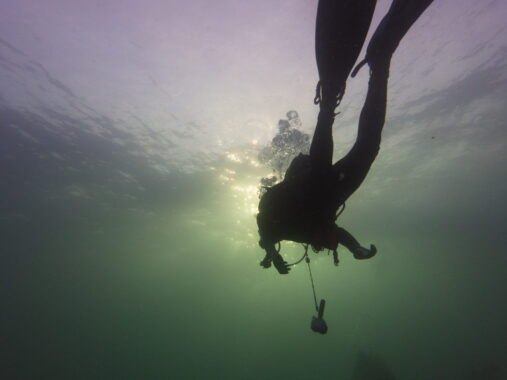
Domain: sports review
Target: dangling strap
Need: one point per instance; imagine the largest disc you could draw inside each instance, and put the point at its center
(302, 258)
(313, 286)
(305, 256)
(318, 93)
(358, 67)
(340, 211)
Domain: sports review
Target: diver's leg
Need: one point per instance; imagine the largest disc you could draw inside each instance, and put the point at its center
(352, 169)
(340, 32)
(321, 149)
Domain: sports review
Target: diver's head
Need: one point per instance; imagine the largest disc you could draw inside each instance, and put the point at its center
(283, 126)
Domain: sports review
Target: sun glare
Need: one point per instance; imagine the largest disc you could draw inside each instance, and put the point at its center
(247, 196)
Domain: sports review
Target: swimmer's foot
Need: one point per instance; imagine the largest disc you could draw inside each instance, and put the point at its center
(361, 253)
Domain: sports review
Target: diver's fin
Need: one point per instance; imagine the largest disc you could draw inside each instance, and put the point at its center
(340, 32)
(401, 16)
(361, 253)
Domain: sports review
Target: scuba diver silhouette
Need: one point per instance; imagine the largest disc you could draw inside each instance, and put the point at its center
(303, 207)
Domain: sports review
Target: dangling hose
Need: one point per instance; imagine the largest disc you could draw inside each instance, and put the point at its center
(305, 256)
(301, 259)
(340, 211)
(313, 286)
(318, 93)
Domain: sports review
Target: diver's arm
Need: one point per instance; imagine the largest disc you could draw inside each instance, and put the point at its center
(346, 239)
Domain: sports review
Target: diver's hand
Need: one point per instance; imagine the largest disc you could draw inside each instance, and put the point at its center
(268, 259)
(361, 253)
(266, 262)
(273, 257)
(280, 264)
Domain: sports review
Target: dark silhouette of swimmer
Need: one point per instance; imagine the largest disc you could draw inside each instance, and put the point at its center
(303, 207)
